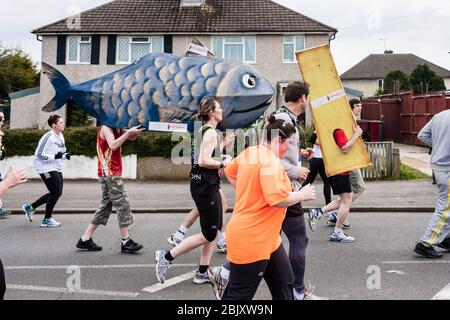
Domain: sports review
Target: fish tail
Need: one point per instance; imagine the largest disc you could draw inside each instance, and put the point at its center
(62, 87)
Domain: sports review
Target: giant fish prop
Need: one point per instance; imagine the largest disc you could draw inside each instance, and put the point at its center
(163, 87)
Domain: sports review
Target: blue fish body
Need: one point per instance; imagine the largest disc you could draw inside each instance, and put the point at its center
(162, 87)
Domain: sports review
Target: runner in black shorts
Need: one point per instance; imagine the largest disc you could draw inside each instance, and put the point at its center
(205, 185)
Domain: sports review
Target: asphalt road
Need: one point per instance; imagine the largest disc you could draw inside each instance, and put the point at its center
(37, 261)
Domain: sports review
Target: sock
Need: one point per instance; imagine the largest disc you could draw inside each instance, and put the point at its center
(319, 214)
(84, 239)
(203, 269)
(181, 232)
(168, 256)
(298, 295)
(221, 237)
(338, 230)
(224, 273)
(124, 241)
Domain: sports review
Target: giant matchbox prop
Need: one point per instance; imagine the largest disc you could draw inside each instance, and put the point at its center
(331, 110)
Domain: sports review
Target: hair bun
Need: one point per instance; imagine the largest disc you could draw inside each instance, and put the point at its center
(272, 119)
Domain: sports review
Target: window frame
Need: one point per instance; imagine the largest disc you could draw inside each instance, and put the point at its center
(382, 84)
(294, 42)
(242, 43)
(79, 43)
(130, 42)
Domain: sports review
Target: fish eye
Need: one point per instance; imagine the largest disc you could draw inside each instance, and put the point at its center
(249, 81)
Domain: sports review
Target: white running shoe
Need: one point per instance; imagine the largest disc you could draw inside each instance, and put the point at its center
(201, 278)
(219, 283)
(162, 265)
(173, 240)
(222, 247)
(50, 223)
(341, 237)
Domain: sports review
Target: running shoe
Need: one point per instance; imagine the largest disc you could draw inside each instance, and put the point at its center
(310, 296)
(4, 213)
(332, 219)
(314, 215)
(173, 240)
(222, 247)
(131, 247)
(29, 212)
(427, 251)
(341, 237)
(88, 245)
(162, 265)
(219, 284)
(50, 223)
(201, 278)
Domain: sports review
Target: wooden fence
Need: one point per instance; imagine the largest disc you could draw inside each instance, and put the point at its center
(383, 160)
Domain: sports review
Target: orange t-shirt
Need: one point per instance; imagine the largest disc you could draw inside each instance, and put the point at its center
(253, 232)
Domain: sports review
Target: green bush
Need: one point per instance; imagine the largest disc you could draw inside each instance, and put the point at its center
(82, 141)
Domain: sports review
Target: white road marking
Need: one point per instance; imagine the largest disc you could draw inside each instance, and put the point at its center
(444, 294)
(418, 262)
(66, 290)
(119, 266)
(396, 272)
(173, 281)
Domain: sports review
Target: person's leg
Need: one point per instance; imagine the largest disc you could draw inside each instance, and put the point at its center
(221, 239)
(295, 230)
(437, 230)
(279, 276)
(313, 170)
(44, 198)
(344, 209)
(2, 281)
(53, 182)
(102, 214)
(326, 182)
(244, 280)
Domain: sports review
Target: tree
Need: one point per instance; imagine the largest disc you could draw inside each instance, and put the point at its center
(425, 80)
(17, 72)
(396, 81)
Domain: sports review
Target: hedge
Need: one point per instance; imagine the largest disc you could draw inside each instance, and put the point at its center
(82, 141)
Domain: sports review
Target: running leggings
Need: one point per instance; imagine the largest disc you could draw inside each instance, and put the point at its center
(54, 182)
(2, 281)
(245, 278)
(295, 230)
(316, 166)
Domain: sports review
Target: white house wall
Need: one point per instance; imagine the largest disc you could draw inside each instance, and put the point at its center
(28, 111)
(369, 87)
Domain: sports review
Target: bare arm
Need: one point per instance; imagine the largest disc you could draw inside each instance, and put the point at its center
(306, 193)
(113, 143)
(206, 149)
(348, 146)
(12, 179)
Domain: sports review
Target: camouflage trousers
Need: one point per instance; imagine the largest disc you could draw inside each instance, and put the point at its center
(113, 194)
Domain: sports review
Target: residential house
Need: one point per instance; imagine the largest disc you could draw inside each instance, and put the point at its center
(368, 75)
(106, 38)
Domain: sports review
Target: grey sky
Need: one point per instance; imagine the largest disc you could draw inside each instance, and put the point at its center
(409, 26)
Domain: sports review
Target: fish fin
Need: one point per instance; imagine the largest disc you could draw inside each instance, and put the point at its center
(62, 87)
(197, 48)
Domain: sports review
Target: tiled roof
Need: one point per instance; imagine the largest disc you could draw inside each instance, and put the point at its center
(377, 66)
(166, 16)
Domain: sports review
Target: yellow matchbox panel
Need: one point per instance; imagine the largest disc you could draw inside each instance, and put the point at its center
(331, 110)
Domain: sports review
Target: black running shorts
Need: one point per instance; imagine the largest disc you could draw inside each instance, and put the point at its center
(340, 184)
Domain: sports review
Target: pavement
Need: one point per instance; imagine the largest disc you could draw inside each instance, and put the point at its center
(415, 157)
(174, 197)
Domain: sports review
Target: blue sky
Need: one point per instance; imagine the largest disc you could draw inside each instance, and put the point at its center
(406, 26)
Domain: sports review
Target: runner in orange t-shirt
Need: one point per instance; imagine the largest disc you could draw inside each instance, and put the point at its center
(263, 191)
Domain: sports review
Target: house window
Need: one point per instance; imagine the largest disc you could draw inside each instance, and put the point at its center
(241, 49)
(79, 49)
(291, 44)
(192, 3)
(131, 49)
(381, 84)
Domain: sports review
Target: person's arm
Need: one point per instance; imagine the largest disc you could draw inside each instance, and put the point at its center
(207, 146)
(113, 143)
(305, 194)
(43, 148)
(231, 171)
(425, 135)
(348, 146)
